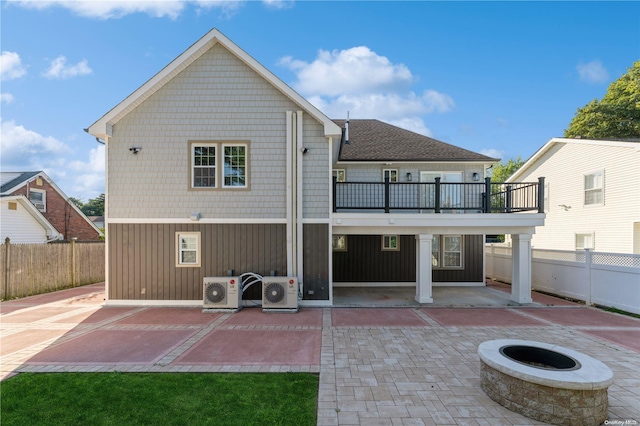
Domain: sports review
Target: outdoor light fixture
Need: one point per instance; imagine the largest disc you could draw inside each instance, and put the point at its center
(135, 149)
(409, 177)
(304, 150)
(476, 177)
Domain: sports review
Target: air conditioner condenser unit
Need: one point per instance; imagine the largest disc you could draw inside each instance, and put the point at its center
(222, 294)
(279, 294)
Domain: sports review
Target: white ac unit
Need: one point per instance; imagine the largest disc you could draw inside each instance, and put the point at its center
(280, 293)
(222, 293)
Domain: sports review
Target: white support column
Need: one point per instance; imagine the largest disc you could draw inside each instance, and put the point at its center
(521, 268)
(424, 280)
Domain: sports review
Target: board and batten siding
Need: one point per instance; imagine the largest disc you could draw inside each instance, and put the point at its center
(365, 261)
(612, 223)
(216, 98)
(142, 258)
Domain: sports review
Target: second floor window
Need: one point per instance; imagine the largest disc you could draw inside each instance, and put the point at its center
(594, 188)
(39, 199)
(391, 174)
(218, 165)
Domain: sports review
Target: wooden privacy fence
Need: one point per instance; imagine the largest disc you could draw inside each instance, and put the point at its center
(29, 269)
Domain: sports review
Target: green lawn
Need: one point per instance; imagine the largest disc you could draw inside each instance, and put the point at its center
(62, 399)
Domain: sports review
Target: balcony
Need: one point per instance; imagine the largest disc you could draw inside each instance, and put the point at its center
(439, 197)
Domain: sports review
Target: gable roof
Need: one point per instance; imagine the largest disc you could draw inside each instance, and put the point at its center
(12, 181)
(625, 143)
(102, 127)
(374, 140)
(51, 232)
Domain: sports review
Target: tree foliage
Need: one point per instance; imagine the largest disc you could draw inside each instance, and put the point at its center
(501, 171)
(616, 115)
(93, 207)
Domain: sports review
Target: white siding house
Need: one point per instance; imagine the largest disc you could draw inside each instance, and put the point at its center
(592, 194)
(22, 223)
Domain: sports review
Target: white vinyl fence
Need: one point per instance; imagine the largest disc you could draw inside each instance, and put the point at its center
(606, 279)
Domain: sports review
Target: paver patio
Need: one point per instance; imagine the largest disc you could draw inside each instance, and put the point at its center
(404, 366)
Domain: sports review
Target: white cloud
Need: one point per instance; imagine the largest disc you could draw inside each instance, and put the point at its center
(60, 70)
(493, 153)
(26, 146)
(90, 176)
(113, 9)
(6, 97)
(367, 85)
(592, 72)
(350, 71)
(11, 66)
(278, 4)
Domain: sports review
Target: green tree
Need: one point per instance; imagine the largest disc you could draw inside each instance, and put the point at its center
(77, 202)
(616, 115)
(501, 171)
(94, 207)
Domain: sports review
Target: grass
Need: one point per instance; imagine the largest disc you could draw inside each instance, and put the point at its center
(159, 399)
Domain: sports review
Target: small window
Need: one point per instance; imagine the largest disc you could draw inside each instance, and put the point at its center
(391, 174)
(340, 175)
(339, 243)
(390, 242)
(203, 163)
(188, 249)
(39, 199)
(594, 188)
(446, 251)
(13, 205)
(584, 241)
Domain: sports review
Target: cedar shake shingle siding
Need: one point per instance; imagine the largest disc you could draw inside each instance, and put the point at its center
(374, 140)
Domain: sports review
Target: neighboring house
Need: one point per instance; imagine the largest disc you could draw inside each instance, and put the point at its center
(68, 221)
(22, 222)
(215, 166)
(592, 194)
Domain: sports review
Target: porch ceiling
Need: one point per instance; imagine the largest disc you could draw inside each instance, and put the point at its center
(408, 224)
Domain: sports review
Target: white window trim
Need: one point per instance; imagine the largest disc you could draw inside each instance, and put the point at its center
(44, 198)
(583, 234)
(441, 252)
(387, 247)
(219, 165)
(179, 263)
(384, 172)
(246, 165)
(336, 173)
(584, 188)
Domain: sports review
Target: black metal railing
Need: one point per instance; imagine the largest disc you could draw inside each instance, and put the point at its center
(439, 197)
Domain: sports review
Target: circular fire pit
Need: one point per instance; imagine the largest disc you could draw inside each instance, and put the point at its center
(545, 382)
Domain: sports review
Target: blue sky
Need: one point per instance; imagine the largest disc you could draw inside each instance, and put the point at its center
(500, 78)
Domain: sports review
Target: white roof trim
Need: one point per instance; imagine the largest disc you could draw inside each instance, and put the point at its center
(547, 146)
(102, 127)
(52, 233)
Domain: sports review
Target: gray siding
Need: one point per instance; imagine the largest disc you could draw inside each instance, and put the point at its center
(142, 258)
(216, 98)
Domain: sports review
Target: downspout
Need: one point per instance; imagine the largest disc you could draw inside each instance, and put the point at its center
(289, 190)
(299, 199)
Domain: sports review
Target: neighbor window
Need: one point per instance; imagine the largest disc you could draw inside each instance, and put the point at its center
(340, 175)
(215, 162)
(593, 188)
(39, 199)
(584, 241)
(339, 243)
(390, 242)
(188, 248)
(391, 174)
(446, 251)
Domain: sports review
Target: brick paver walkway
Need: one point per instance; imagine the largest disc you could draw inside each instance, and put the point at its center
(411, 366)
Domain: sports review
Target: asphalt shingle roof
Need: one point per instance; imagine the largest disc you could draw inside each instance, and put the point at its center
(22, 177)
(374, 140)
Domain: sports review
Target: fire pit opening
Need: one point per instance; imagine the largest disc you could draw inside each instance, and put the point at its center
(540, 358)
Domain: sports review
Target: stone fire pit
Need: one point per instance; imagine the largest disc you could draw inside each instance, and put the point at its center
(545, 382)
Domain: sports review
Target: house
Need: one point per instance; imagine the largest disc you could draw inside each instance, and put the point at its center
(592, 194)
(49, 200)
(23, 223)
(216, 167)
